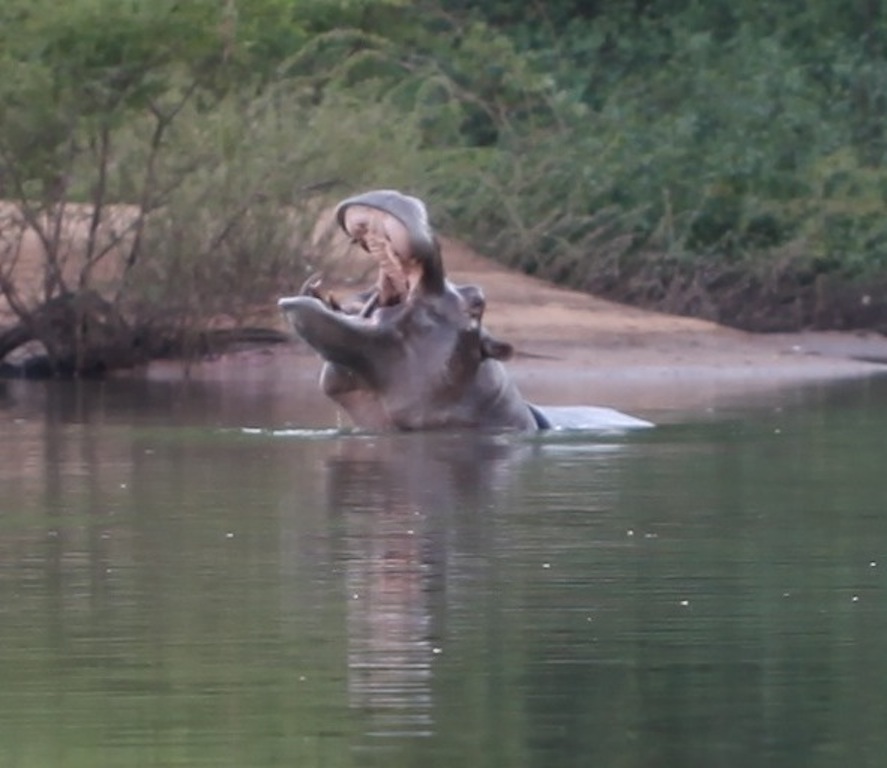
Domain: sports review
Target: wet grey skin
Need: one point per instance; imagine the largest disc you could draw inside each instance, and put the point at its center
(424, 361)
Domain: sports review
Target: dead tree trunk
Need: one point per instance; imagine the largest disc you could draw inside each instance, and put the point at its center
(81, 335)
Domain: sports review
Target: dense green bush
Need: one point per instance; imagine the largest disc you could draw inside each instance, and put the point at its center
(713, 140)
(699, 157)
(171, 184)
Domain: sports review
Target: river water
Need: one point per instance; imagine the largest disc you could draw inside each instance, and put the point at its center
(206, 574)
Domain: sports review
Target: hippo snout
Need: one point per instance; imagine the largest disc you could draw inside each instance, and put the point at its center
(295, 309)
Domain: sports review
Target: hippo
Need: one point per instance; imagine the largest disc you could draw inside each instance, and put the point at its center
(412, 353)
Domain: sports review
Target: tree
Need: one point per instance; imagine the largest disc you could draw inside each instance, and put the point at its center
(115, 118)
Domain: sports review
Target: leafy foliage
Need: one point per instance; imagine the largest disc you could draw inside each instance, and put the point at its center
(635, 148)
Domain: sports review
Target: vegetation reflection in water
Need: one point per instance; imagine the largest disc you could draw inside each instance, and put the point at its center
(705, 593)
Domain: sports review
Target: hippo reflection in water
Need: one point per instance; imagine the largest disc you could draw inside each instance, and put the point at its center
(412, 353)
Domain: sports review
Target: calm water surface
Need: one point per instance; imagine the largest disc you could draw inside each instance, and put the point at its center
(188, 579)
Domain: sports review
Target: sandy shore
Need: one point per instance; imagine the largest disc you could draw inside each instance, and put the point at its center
(573, 348)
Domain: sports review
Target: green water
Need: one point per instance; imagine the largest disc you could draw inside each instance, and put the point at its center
(177, 590)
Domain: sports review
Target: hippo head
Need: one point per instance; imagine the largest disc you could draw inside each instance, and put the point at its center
(420, 358)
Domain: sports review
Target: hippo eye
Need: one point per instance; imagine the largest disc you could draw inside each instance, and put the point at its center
(476, 306)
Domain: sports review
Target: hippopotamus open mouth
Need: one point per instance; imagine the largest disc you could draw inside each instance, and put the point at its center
(394, 228)
(414, 354)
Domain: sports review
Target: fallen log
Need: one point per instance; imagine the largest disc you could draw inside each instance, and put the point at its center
(85, 336)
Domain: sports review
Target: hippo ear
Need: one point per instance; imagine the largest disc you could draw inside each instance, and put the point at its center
(497, 350)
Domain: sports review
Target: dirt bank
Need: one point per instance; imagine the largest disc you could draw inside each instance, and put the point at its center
(574, 348)
(543, 319)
